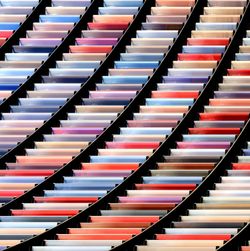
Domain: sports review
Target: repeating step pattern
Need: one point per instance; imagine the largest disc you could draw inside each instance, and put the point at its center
(71, 72)
(215, 219)
(180, 172)
(12, 14)
(226, 208)
(91, 117)
(32, 50)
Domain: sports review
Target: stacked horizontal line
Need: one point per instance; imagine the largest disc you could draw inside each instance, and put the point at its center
(12, 14)
(181, 171)
(74, 69)
(91, 117)
(225, 209)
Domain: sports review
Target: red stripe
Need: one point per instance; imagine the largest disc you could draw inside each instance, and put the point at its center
(45, 212)
(6, 34)
(224, 116)
(90, 49)
(11, 193)
(214, 130)
(195, 57)
(124, 218)
(238, 72)
(207, 41)
(107, 26)
(109, 166)
(241, 166)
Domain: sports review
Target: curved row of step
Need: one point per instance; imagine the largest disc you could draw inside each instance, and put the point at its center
(12, 14)
(216, 218)
(33, 49)
(129, 162)
(34, 169)
(25, 165)
(40, 103)
(25, 125)
(219, 215)
(135, 142)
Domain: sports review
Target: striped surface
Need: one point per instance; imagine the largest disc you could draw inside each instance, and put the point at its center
(180, 172)
(226, 208)
(215, 219)
(90, 118)
(12, 14)
(211, 222)
(73, 70)
(33, 49)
